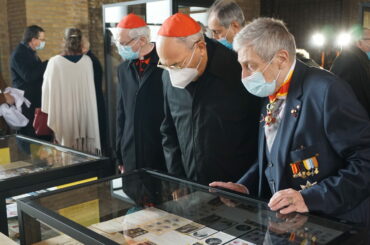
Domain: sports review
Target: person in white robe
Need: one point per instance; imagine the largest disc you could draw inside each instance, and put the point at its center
(69, 99)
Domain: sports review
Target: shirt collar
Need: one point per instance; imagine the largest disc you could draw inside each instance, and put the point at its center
(283, 90)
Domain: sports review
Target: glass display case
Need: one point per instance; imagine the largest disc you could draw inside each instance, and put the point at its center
(28, 165)
(146, 207)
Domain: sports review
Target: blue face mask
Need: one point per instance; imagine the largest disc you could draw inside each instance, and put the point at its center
(224, 41)
(368, 55)
(257, 85)
(41, 46)
(127, 53)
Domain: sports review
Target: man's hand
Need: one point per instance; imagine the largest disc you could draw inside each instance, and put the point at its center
(231, 186)
(9, 99)
(121, 169)
(288, 201)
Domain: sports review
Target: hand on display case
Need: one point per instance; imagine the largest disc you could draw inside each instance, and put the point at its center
(231, 186)
(228, 202)
(121, 169)
(288, 201)
(288, 223)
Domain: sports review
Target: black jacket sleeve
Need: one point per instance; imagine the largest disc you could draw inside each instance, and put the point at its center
(342, 116)
(251, 179)
(353, 68)
(171, 147)
(120, 123)
(29, 70)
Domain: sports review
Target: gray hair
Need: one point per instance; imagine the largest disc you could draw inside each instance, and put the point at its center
(266, 36)
(227, 11)
(302, 53)
(143, 31)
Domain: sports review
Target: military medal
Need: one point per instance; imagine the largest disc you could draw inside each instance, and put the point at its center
(308, 185)
(269, 118)
(295, 169)
(316, 164)
(305, 168)
(311, 165)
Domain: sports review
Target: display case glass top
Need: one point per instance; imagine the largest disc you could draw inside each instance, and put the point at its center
(146, 207)
(20, 156)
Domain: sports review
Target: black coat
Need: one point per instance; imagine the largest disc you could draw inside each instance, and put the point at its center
(27, 71)
(353, 66)
(139, 116)
(210, 127)
(98, 80)
(330, 125)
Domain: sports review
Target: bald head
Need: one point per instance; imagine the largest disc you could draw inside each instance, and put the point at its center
(171, 51)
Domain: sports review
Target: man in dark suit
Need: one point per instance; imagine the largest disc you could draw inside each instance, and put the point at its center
(140, 104)
(27, 71)
(211, 123)
(353, 66)
(314, 141)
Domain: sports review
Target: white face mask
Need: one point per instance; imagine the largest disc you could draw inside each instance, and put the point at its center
(180, 78)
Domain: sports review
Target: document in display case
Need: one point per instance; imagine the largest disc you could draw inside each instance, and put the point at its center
(146, 207)
(28, 165)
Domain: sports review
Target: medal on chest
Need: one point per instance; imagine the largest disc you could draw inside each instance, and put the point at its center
(270, 118)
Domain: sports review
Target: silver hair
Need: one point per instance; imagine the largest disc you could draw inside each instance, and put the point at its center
(140, 32)
(190, 40)
(303, 53)
(266, 36)
(227, 11)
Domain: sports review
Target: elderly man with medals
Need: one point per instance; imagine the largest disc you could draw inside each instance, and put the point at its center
(314, 137)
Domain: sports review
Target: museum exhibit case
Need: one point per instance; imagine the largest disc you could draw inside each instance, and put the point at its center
(28, 165)
(151, 208)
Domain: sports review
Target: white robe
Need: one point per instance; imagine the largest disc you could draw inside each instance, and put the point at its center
(69, 99)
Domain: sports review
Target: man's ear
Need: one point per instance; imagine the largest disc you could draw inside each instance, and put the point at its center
(235, 26)
(202, 45)
(143, 40)
(282, 57)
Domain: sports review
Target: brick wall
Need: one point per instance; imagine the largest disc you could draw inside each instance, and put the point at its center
(16, 21)
(4, 41)
(13, 21)
(54, 16)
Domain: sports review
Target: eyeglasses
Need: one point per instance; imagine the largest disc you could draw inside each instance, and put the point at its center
(172, 67)
(175, 67)
(126, 43)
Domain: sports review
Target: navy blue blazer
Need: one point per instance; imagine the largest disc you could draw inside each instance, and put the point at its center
(322, 119)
